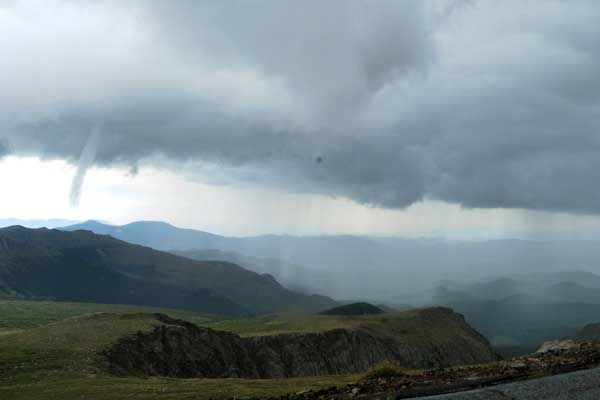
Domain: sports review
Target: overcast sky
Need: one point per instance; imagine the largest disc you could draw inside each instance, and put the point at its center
(452, 118)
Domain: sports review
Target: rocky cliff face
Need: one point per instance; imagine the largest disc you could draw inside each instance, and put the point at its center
(434, 338)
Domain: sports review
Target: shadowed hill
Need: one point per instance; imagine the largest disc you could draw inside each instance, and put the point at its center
(354, 309)
(83, 266)
(294, 277)
(155, 234)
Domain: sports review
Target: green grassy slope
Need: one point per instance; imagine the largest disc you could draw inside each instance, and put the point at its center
(51, 350)
(437, 324)
(67, 386)
(296, 322)
(16, 315)
(60, 360)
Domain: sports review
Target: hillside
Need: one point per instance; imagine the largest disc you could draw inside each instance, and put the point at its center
(521, 311)
(519, 325)
(70, 357)
(428, 338)
(20, 315)
(204, 246)
(83, 266)
(354, 309)
(63, 360)
(74, 357)
(155, 344)
(292, 276)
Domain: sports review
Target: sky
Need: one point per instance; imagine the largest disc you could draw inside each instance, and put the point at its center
(443, 118)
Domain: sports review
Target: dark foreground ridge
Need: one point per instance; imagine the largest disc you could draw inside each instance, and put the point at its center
(452, 380)
(354, 309)
(429, 338)
(80, 266)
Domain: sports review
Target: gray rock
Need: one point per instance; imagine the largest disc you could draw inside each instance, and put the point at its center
(180, 349)
(557, 345)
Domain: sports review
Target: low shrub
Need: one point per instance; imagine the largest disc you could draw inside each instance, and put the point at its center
(385, 369)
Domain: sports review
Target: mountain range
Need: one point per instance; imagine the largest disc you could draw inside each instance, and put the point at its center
(36, 223)
(84, 266)
(519, 312)
(515, 305)
(397, 270)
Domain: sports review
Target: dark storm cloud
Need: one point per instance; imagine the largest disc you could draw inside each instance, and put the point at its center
(334, 53)
(478, 104)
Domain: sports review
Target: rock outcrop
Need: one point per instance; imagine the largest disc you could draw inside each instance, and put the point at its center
(557, 345)
(431, 339)
(450, 380)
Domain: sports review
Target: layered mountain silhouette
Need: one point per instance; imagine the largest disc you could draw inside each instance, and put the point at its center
(522, 311)
(361, 267)
(84, 266)
(360, 308)
(155, 234)
(519, 307)
(292, 276)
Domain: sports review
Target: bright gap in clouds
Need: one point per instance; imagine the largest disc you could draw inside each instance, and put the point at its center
(40, 189)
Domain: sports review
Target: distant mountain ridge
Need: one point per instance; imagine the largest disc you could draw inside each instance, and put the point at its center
(155, 234)
(394, 269)
(36, 223)
(562, 287)
(496, 284)
(205, 246)
(84, 266)
(528, 309)
(294, 277)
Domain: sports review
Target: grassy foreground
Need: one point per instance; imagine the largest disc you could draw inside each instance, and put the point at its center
(50, 350)
(101, 387)
(18, 315)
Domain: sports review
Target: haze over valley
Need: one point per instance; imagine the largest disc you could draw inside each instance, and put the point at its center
(496, 284)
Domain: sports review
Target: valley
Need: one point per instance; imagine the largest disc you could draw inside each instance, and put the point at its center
(86, 308)
(518, 293)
